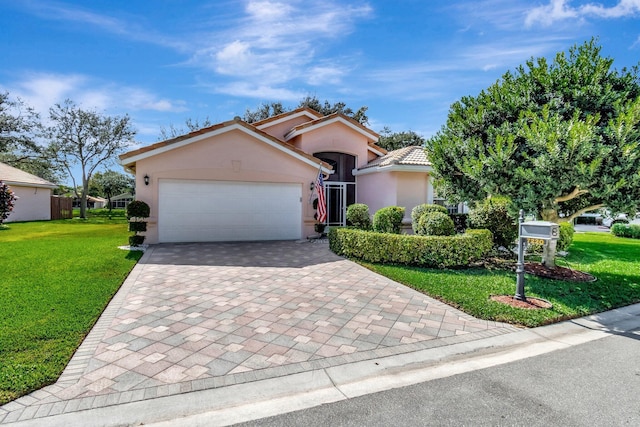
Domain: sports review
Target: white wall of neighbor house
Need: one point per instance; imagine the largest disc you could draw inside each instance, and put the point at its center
(33, 204)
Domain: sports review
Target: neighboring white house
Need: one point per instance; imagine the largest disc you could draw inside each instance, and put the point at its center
(121, 201)
(33, 193)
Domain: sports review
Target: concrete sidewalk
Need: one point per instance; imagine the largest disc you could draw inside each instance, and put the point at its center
(208, 327)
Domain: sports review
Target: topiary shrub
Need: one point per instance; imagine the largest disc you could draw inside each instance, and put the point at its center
(566, 236)
(422, 209)
(358, 216)
(493, 215)
(422, 251)
(388, 220)
(138, 209)
(136, 212)
(435, 224)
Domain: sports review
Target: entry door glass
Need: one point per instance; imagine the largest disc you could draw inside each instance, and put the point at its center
(339, 195)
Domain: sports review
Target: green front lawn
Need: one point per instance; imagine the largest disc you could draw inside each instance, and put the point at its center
(56, 279)
(613, 260)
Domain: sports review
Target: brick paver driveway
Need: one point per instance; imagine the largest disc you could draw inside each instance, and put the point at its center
(196, 316)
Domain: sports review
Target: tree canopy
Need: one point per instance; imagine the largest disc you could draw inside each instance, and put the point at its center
(266, 110)
(20, 129)
(558, 138)
(394, 140)
(86, 138)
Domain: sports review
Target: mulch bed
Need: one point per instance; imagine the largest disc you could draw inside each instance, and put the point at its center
(557, 273)
(530, 304)
(537, 269)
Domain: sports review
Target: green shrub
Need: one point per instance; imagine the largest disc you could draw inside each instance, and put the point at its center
(566, 236)
(422, 251)
(137, 226)
(136, 240)
(460, 221)
(631, 231)
(422, 209)
(388, 220)
(435, 224)
(138, 209)
(358, 216)
(493, 215)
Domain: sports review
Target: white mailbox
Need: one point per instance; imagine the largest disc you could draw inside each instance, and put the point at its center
(544, 230)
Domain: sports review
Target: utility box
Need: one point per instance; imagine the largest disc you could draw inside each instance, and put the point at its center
(543, 230)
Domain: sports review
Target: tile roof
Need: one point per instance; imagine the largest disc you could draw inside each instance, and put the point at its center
(11, 175)
(409, 156)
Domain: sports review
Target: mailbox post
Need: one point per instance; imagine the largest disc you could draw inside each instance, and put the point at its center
(541, 230)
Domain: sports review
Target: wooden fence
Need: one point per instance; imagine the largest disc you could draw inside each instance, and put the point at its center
(61, 207)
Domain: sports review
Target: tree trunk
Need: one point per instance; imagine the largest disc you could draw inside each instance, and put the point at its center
(83, 198)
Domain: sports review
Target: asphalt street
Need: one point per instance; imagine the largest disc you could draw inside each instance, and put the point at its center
(592, 384)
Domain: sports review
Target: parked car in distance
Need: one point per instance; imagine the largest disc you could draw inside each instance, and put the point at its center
(621, 219)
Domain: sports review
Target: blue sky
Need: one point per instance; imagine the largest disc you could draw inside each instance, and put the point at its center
(163, 61)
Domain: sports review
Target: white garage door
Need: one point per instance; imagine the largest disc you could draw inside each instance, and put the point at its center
(220, 211)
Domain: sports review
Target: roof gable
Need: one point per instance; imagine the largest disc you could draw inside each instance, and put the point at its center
(372, 137)
(130, 158)
(10, 175)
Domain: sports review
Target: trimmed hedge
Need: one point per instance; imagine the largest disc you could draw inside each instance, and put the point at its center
(422, 209)
(566, 236)
(631, 231)
(358, 216)
(435, 224)
(421, 251)
(493, 214)
(388, 219)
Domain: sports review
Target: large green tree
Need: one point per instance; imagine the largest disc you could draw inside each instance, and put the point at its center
(20, 129)
(111, 183)
(86, 139)
(557, 138)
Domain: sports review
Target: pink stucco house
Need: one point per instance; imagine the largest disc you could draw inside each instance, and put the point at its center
(238, 181)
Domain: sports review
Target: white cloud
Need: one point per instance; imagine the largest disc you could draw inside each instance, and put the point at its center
(273, 44)
(560, 10)
(43, 90)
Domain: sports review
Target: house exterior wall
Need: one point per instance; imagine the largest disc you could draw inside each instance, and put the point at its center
(380, 189)
(413, 189)
(338, 138)
(232, 156)
(34, 204)
(376, 190)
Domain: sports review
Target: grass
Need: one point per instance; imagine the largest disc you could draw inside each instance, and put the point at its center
(611, 259)
(57, 278)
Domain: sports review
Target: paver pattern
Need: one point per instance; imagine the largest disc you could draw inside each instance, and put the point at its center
(192, 316)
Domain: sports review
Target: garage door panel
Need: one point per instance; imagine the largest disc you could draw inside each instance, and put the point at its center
(198, 211)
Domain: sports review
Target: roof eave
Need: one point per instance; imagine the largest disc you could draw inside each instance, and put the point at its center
(393, 168)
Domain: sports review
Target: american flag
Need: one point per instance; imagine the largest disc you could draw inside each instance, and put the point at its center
(322, 206)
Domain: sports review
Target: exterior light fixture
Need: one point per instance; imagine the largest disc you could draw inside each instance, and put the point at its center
(146, 179)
